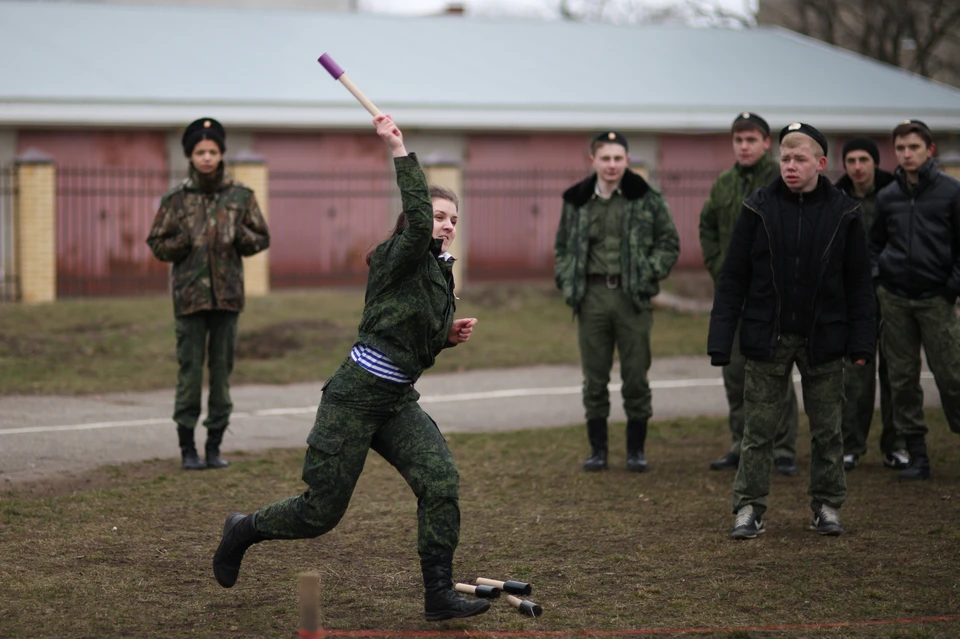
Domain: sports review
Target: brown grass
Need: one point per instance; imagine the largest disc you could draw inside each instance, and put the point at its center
(125, 551)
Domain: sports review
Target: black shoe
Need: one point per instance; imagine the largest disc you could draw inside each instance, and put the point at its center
(785, 466)
(897, 460)
(850, 462)
(826, 521)
(747, 525)
(212, 449)
(596, 461)
(918, 470)
(189, 459)
(730, 461)
(239, 533)
(440, 601)
(636, 462)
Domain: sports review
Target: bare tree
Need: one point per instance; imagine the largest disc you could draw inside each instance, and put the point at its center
(690, 12)
(918, 35)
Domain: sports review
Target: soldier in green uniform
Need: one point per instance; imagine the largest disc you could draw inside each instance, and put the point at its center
(915, 246)
(754, 168)
(615, 242)
(862, 181)
(370, 402)
(798, 274)
(204, 227)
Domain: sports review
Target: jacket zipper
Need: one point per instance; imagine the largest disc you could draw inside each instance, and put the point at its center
(773, 274)
(823, 267)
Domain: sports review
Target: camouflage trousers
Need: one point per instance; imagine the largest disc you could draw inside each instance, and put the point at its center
(764, 388)
(357, 412)
(859, 400)
(785, 439)
(192, 347)
(607, 319)
(907, 325)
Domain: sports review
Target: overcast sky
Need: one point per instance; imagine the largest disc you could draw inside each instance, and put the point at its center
(532, 8)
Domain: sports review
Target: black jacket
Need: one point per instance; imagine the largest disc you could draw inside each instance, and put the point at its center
(915, 242)
(752, 283)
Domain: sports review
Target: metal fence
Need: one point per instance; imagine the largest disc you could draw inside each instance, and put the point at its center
(103, 218)
(9, 279)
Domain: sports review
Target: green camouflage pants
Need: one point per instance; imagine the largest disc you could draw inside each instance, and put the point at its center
(859, 399)
(608, 319)
(785, 440)
(192, 346)
(763, 393)
(357, 412)
(907, 325)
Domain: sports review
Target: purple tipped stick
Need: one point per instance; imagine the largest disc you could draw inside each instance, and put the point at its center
(332, 67)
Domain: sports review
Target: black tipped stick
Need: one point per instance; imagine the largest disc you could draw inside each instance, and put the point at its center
(484, 592)
(525, 606)
(513, 587)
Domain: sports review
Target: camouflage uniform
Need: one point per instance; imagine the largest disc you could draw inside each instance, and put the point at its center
(408, 315)
(717, 219)
(860, 382)
(205, 226)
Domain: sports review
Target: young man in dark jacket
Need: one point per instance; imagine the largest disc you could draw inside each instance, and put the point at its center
(915, 248)
(798, 274)
(862, 181)
(754, 168)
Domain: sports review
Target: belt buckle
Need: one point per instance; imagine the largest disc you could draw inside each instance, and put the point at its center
(613, 281)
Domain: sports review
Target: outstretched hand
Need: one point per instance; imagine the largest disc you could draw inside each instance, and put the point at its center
(390, 134)
(461, 330)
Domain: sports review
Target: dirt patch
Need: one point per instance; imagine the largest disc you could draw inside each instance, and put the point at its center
(276, 340)
(73, 483)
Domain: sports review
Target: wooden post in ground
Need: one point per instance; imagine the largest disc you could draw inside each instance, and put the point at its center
(309, 606)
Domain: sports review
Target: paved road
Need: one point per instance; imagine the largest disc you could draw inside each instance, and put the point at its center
(44, 435)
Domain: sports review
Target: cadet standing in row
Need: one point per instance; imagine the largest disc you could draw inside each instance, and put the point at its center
(615, 242)
(754, 168)
(205, 226)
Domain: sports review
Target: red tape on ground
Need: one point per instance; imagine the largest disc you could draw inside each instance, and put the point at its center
(648, 632)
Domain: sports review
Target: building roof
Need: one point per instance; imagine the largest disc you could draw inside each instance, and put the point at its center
(120, 65)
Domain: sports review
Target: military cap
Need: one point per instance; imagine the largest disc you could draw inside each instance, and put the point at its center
(917, 123)
(754, 119)
(203, 129)
(610, 137)
(862, 144)
(807, 130)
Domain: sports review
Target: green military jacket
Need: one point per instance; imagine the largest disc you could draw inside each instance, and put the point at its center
(722, 208)
(409, 304)
(868, 203)
(649, 244)
(204, 226)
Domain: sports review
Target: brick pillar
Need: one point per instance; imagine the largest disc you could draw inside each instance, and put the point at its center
(448, 173)
(35, 226)
(950, 164)
(639, 166)
(251, 169)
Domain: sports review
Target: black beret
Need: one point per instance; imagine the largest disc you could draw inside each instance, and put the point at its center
(919, 123)
(807, 130)
(862, 144)
(610, 137)
(754, 119)
(203, 129)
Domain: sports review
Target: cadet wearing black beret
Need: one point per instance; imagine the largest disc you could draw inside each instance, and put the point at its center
(609, 137)
(807, 130)
(203, 129)
(752, 119)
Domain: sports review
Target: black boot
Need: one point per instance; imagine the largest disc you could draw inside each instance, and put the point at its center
(597, 434)
(440, 600)
(919, 467)
(188, 450)
(212, 448)
(636, 438)
(239, 533)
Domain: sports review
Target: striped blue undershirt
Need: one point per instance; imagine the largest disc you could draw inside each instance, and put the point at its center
(377, 363)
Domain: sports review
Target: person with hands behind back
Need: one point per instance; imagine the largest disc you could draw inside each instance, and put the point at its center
(798, 273)
(371, 403)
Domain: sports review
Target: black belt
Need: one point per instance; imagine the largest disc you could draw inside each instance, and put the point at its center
(610, 281)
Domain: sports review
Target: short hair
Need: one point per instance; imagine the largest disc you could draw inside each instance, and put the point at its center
(444, 194)
(795, 139)
(744, 125)
(913, 126)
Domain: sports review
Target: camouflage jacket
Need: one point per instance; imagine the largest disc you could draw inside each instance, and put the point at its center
(868, 204)
(204, 227)
(722, 208)
(649, 244)
(409, 304)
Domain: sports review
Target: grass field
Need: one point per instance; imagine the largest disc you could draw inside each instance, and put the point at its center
(125, 551)
(104, 345)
